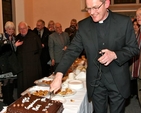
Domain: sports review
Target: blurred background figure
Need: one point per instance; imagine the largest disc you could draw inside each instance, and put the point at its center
(8, 61)
(74, 23)
(58, 43)
(137, 64)
(71, 30)
(51, 26)
(43, 33)
(136, 26)
(134, 60)
(28, 52)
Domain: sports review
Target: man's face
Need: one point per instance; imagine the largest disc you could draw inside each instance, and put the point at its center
(138, 14)
(58, 28)
(97, 9)
(73, 23)
(39, 26)
(23, 29)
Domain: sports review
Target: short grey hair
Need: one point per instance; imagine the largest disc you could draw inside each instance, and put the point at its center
(22, 22)
(9, 24)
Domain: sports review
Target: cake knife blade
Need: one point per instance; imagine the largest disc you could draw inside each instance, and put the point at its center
(51, 93)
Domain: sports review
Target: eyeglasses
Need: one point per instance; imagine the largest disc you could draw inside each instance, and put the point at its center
(94, 7)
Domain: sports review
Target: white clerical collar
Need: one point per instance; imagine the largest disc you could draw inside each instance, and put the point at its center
(100, 22)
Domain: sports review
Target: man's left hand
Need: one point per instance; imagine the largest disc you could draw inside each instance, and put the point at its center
(107, 57)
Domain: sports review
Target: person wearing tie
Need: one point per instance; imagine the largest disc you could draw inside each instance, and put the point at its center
(43, 34)
(58, 43)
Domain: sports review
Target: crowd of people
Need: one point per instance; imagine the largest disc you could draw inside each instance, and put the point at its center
(31, 55)
(110, 45)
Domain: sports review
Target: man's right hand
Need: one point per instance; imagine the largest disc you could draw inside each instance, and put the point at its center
(57, 82)
(18, 43)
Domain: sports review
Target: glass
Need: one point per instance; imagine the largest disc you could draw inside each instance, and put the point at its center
(94, 7)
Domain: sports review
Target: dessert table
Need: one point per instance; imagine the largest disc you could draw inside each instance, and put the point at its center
(77, 102)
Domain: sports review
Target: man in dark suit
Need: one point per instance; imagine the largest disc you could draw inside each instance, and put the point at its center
(43, 33)
(109, 42)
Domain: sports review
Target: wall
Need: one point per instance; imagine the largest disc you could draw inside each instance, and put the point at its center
(58, 10)
(1, 19)
(28, 6)
(18, 12)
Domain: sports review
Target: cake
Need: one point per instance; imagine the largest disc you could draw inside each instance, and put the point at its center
(34, 104)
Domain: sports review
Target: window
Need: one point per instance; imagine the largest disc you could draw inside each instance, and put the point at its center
(7, 10)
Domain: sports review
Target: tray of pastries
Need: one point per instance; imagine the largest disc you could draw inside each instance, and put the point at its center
(44, 81)
(66, 92)
(41, 91)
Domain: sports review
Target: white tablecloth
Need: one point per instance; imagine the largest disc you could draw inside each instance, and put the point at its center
(77, 103)
(80, 103)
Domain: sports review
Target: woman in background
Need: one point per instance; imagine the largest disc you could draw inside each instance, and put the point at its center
(134, 64)
(8, 61)
(136, 26)
(51, 26)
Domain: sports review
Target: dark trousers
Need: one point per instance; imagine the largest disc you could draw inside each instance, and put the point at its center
(7, 91)
(107, 93)
(134, 89)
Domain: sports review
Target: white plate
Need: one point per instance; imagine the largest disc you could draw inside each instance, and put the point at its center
(65, 95)
(81, 76)
(52, 76)
(75, 84)
(4, 109)
(35, 88)
(40, 81)
(61, 99)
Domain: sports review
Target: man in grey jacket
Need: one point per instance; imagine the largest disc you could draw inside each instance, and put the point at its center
(58, 43)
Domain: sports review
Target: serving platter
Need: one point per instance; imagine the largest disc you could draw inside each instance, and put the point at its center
(37, 90)
(44, 81)
(66, 92)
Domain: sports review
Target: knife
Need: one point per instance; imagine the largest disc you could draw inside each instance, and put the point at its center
(51, 94)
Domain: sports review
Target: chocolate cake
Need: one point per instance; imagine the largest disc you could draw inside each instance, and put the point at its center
(35, 104)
